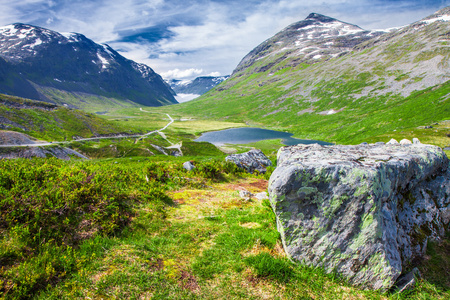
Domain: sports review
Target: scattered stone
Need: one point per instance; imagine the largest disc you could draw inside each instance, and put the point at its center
(428, 127)
(416, 141)
(392, 142)
(405, 142)
(262, 196)
(245, 194)
(176, 153)
(379, 143)
(364, 212)
(189, 166)
(364, 143)
(407, 281)
(251, 161)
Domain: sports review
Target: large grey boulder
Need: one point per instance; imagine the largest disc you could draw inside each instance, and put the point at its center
(363, 211)
(251, 161)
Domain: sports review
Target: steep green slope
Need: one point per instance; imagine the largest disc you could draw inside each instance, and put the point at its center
(50, 122)
(392, 82)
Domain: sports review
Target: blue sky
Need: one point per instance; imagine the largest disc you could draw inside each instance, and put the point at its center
(188, 38)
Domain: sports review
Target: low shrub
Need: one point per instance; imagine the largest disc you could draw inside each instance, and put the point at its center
(49, 206)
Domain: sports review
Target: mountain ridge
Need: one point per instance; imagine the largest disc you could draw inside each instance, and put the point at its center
(70, 62)
(198, 86)
(319, 36)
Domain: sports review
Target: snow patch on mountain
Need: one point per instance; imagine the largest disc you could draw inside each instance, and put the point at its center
(444, 18)
(104, 61)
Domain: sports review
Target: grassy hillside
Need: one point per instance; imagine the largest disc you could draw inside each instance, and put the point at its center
(51, 122)
(396, 82)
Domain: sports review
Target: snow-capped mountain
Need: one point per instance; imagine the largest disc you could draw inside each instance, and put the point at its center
(73, 63)
(197, 86)
(314, 39)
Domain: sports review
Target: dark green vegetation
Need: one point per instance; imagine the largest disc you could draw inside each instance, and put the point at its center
(50, 208)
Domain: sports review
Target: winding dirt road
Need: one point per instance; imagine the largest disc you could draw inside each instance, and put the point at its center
(94, 138)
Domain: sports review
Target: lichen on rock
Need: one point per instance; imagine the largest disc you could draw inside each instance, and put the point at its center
(251, 161)
(363, 211)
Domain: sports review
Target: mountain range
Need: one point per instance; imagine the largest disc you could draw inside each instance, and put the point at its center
(197, 86)
(319, 78)
(322, 78)
(71, 69)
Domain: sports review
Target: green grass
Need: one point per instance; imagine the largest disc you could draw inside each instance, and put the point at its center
(87, 102)
(179, 235)
(356, 84)
(50, 122)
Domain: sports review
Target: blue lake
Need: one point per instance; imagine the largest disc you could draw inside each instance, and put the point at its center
(247, 135)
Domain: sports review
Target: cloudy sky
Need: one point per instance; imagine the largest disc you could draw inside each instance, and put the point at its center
(189, 38)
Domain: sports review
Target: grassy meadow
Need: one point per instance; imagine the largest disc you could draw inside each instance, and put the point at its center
(145, 228)
(133, 224)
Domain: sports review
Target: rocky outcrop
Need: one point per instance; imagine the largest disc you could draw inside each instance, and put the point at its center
(15, 138)
(365, 211)
(251, 161)
(44, 151)
(188, 166)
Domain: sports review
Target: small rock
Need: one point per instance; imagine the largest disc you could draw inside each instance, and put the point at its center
(251, 161)
(364, 143)
(405, 142)
(262, 196)
(392, 142)
(416, 141)
(379, 143)
(188, 166)
(407, 281)
(176, 153)
(428, 127)
(245, 194)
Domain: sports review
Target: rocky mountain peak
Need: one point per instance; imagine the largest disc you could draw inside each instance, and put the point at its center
(319, 17)
(311, 40)
(442, 15)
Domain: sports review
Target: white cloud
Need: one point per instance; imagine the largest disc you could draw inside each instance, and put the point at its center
(215, 74)
(177, 73)
(210, 36)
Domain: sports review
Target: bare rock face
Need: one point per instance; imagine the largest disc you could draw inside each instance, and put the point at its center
(362, 211)
(251, 161)
(43, 152)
